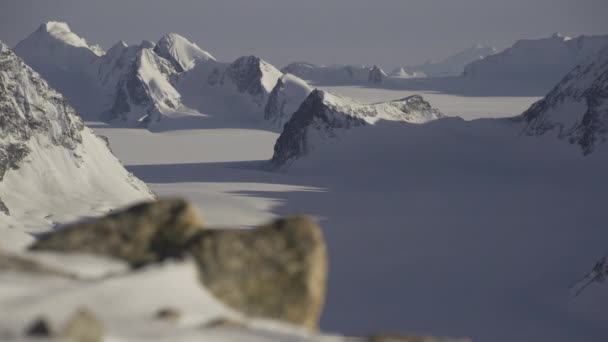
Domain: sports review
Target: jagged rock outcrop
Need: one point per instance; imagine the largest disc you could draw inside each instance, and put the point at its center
(376, 75)
(249, 75)
(141, 234)
(285, 98)
(576, 110)
(322, 115)
(276, 271)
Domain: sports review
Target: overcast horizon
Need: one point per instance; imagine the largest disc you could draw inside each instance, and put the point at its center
(388, 33)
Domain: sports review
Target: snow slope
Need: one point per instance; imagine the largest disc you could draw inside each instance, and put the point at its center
(543, 61)
(451, 66)
(126, 303)
(180, 52)
(577, 108)
(53, 168)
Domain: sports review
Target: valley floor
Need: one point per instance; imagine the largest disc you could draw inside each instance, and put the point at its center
(442, 244)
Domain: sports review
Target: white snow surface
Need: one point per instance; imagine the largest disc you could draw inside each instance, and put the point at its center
(182, 51)
(126, 304)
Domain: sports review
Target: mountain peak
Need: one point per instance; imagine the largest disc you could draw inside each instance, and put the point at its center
(181, 52)
(53, 32)
(61, 31)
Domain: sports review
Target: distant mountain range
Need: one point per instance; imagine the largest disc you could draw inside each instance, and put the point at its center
(337, 74)
(453, 65)
(543, 61)
(576, 110)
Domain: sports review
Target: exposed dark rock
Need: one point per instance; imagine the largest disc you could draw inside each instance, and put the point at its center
(277, 271)
(376, 75)
(168, 314)
(39, 328)
(22, 116)
(144, 233)
(3, 208)
(274, 105)
(576, 109)
(313, 113)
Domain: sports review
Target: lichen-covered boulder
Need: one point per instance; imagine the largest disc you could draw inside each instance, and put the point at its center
(276, 271)
(82, 326)
(144, 233)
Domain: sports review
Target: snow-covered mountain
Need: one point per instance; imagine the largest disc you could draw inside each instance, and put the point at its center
(577, 108)
(141, 84)
(541, 61)
(52, 167)
(322, 115)
(336, 74)
(451, 66)
(285, 98)
(128, 83)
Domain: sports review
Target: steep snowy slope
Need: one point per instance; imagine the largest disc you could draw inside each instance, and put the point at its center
(336, 74)
(453, 65)
(180, 52)
(52, 167)
(543, 61)
(577, 108)
(322, 115)
(64, 60)
(285, 99)
(239, 90)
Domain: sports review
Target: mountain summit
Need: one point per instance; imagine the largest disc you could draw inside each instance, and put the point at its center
(577, 108)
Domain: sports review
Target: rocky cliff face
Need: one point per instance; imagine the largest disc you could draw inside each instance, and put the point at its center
(323, 115)
(45, 148)
(250, 75)
(285, 99)
(376, 75)
(576, 110)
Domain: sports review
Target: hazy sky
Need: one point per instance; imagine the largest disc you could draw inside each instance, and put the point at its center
(383, 32)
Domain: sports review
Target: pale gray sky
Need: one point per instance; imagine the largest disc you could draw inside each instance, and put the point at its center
(384, 32)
